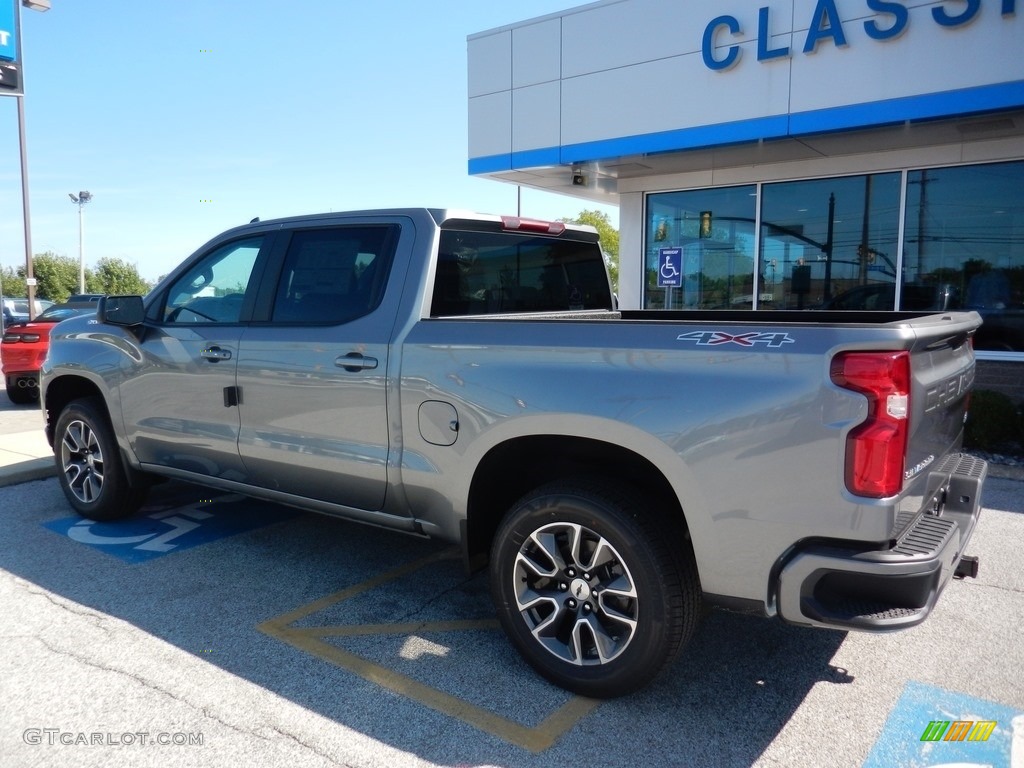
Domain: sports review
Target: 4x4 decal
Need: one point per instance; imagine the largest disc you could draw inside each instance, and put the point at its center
(714, 338)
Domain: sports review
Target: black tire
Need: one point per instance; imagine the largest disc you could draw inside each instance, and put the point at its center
(89, 463)
(606, 620)
(22, 396)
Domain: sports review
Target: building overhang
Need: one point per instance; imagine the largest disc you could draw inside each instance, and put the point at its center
(582, 101)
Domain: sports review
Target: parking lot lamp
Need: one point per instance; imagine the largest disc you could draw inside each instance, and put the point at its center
(83, 198)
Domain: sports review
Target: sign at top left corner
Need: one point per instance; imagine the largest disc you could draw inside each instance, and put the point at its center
(8, 30)
(10, 66)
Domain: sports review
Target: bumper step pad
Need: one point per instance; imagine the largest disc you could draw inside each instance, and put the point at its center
(927, 536)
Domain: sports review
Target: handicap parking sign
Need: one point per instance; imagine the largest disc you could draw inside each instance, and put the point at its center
(670, 267)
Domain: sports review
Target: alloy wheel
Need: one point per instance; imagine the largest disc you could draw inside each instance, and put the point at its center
(576, 594)
(82, 461)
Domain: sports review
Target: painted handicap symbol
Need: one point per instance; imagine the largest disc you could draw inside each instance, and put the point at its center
(154, 542)
(173, 526)
(933, 726)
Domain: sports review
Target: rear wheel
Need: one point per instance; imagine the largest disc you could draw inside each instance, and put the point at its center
(89, 463)
(594, 592)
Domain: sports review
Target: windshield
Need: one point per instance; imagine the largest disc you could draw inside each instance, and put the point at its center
(57, 313)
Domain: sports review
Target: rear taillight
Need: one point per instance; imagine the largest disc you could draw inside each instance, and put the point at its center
(876, 450)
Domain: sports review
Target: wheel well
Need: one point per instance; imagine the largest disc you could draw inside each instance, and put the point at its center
(62, 391)
(514, 468)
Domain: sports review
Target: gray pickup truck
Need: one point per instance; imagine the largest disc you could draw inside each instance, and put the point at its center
(466, 377)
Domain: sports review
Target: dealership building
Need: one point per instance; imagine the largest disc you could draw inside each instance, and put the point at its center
(787, 154)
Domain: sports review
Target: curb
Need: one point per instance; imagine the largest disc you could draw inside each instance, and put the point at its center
(26, 471)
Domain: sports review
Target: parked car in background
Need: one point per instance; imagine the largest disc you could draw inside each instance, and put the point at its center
(16, 310)
(991, 294)
(24, 346)
(1002, 329)
(882, 296)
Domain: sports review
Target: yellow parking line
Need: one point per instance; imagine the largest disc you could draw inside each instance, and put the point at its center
(326, 602)
(309, 639)
(402, 629)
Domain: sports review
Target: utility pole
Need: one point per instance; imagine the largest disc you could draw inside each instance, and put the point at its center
(16, 70)
(827, 293)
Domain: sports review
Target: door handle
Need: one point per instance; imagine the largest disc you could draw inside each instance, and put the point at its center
(354, 362)
(215, 354)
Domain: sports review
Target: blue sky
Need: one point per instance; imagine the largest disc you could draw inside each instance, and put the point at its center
(262, 107)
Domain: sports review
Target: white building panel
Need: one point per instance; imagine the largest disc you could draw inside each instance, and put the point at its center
(670, 94)
(490, 63)
(535, 117)
(537, 53)
(632, 32)
(927, 58)
(490, 124)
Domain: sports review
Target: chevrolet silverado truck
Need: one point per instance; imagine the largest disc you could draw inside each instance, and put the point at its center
(467, 377)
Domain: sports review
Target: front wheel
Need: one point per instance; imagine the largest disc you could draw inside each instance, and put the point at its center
(593, 588)
(89, 463)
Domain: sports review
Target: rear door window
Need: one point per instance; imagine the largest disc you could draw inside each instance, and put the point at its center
(334, 275)
(480, 272)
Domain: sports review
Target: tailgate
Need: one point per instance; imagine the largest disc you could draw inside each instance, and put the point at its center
(942, 374)
(908, 445)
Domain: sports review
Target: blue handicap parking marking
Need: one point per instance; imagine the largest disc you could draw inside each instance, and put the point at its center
(933, 727)
(162, 529)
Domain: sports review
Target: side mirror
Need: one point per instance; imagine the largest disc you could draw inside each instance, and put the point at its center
(121, 310)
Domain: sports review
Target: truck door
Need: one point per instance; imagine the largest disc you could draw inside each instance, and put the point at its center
(313, 373)
(175, 400)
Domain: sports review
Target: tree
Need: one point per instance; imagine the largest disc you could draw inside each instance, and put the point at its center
(609, 239)
(12, 284)
(117, 277)
(56, 276)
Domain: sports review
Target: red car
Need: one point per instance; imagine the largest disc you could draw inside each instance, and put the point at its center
(24, 347)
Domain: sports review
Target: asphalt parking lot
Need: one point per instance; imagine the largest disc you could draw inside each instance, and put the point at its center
(215, 630)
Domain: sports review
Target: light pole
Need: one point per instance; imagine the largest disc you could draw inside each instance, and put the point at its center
(83, 198)
(30, 280)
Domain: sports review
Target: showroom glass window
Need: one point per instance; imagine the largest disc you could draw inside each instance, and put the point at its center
(964, 239)
(713, 230)
(830, 243)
